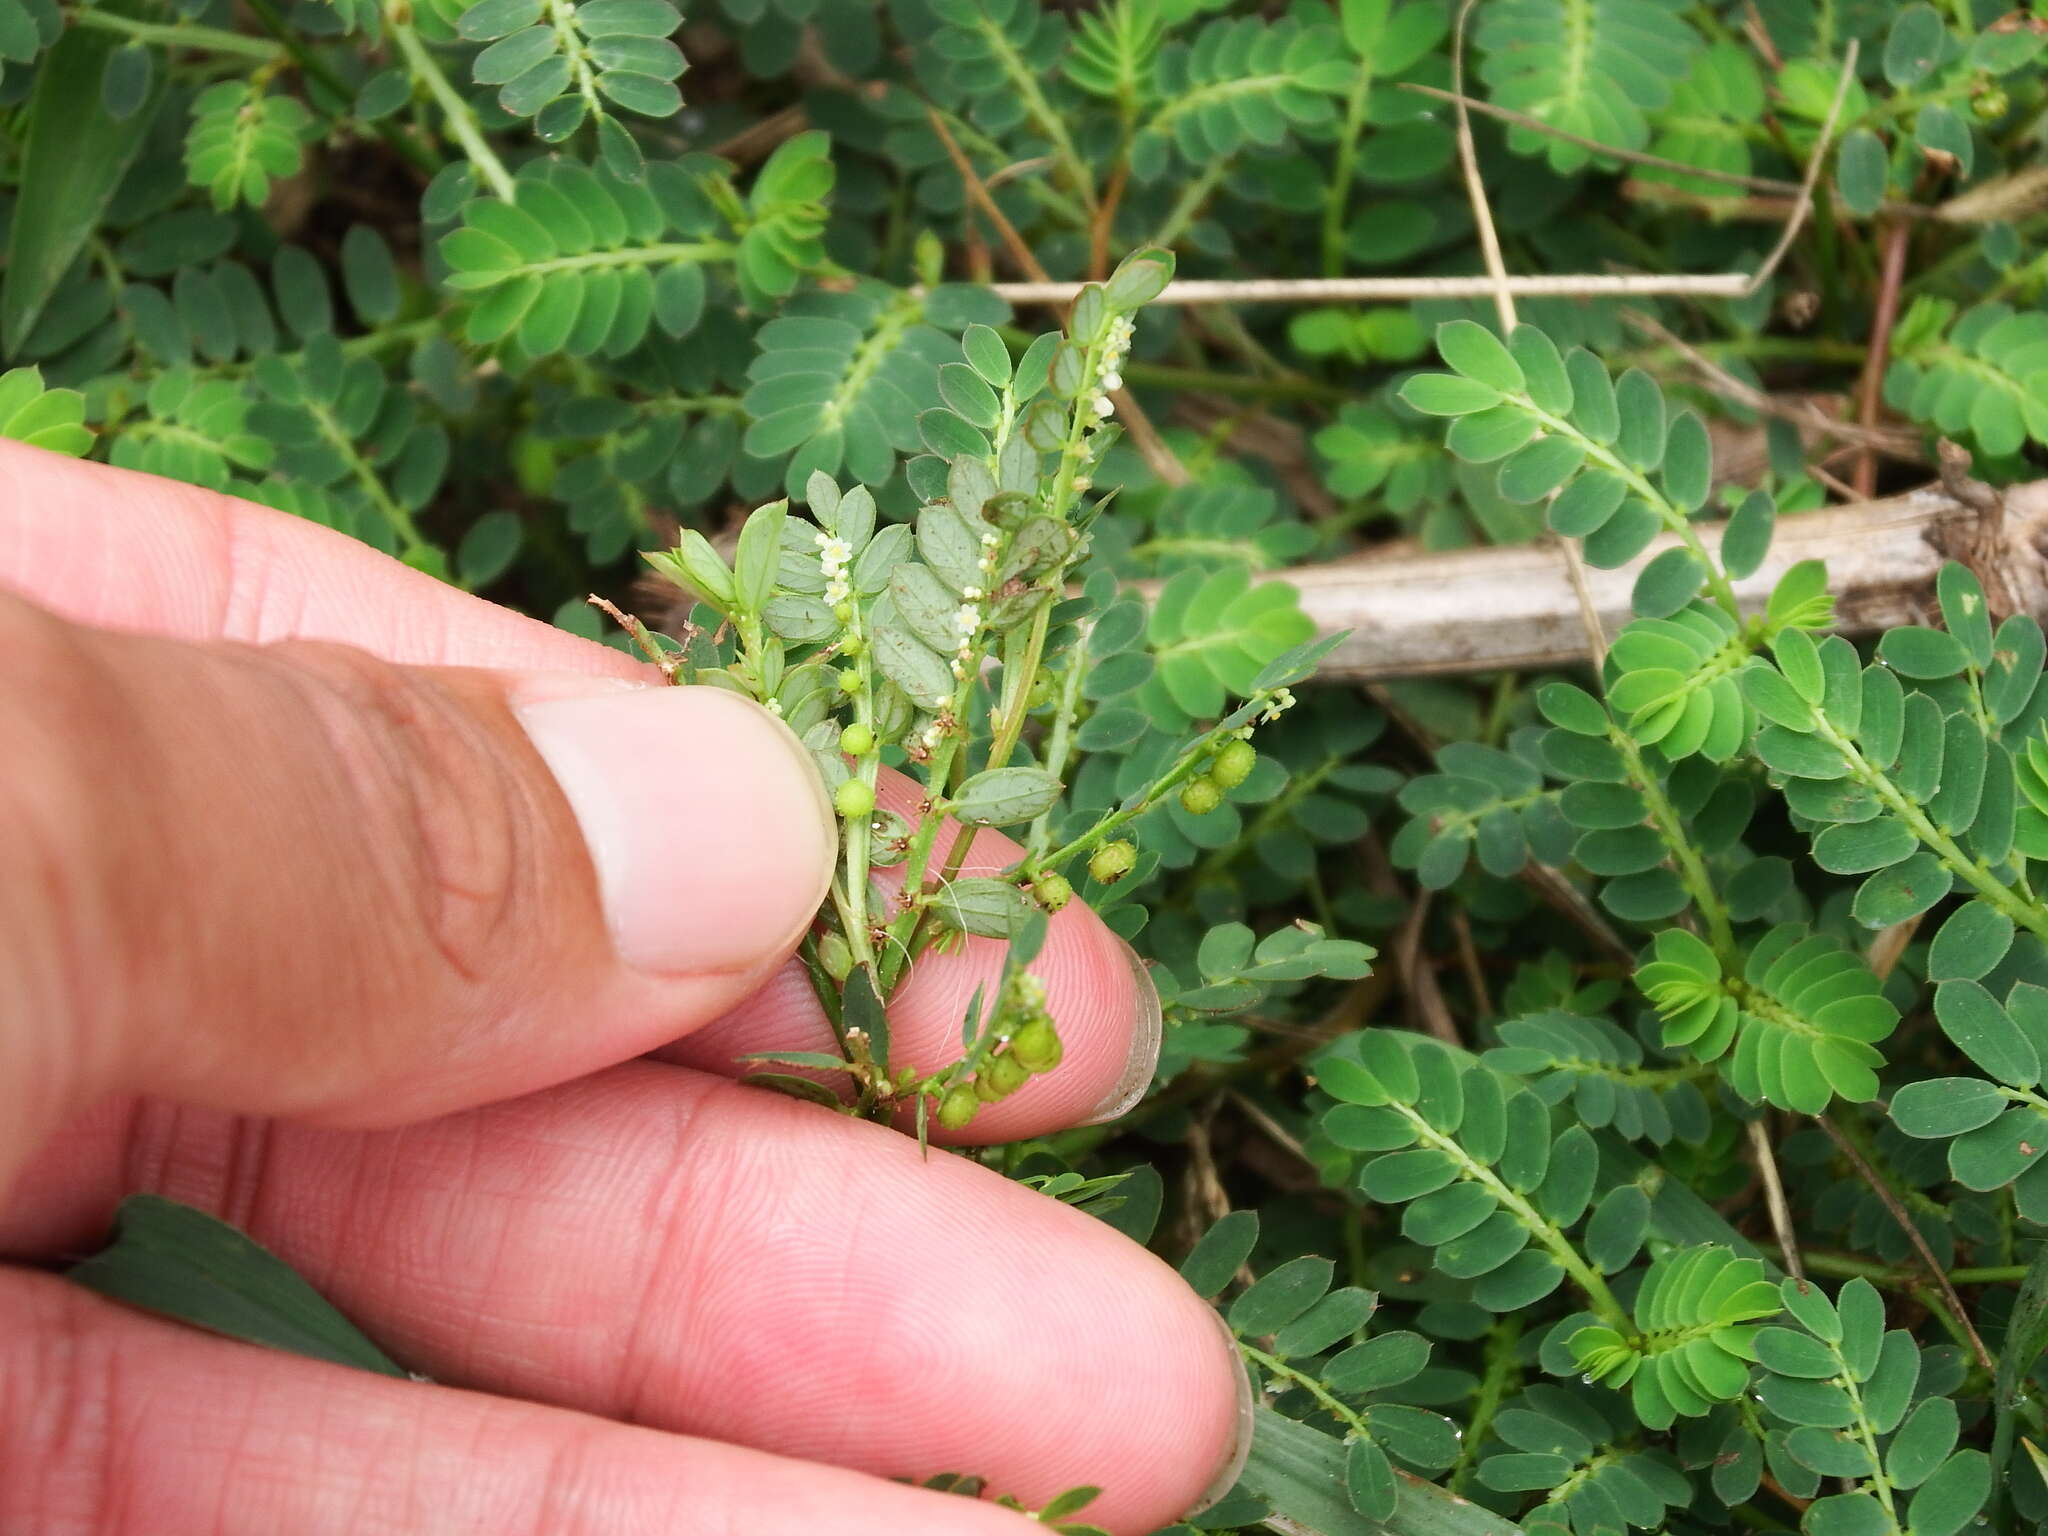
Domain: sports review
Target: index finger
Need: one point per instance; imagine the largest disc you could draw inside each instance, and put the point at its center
(125, 550)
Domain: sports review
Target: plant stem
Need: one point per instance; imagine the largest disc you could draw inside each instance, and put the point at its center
(1974, 872)
(1336, 1407)
(1340, 172)
(460, 118)
(1691, 866)
(1060, 743)
(174, 34)
(1544, 1231)
(1674, 519)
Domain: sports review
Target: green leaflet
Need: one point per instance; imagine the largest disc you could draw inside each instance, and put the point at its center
(179, 1262)
(1800, 1027)
(75, 154)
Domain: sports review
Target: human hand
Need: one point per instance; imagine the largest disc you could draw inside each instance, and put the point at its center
(258, 902)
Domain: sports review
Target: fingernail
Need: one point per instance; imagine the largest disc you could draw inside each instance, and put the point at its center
(1146, 1032)
(1241, 1448)
(707, 824)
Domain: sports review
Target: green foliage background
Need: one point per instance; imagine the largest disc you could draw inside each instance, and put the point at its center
(517, 289)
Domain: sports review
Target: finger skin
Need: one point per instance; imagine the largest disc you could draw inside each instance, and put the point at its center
(119, 548)
(116, 1424)
(296, 879)
(125, 550)
(658, 1246)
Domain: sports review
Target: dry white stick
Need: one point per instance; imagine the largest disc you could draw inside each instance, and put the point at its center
(1483, 610)
(1330, 290)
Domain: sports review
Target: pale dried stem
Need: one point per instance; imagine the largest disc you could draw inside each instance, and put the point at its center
(1517, 608)
(1774, 1194)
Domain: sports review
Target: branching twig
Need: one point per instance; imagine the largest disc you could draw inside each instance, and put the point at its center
(1475, 190)
(1774, 1194)
(1890, 1201)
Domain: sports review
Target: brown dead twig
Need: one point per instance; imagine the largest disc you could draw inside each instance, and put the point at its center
(1897, 1212)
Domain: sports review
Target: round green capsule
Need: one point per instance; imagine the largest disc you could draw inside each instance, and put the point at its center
(1005, 1075)
(1112, 861)
(857, 740)
(1052, 890)
(1037, 1046)
(957, 1108)
(1200, 796)
(853, 798)
(1233, 764)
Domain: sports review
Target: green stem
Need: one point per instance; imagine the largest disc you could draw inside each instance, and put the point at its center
(1974, 872)
(1051, 123)
(1060, 743)
(1691, 865)
(455, 112)
(1163, 376)
(175, 34)
(1671, 516)
(1340, 173)
(1866, 1433)
(1187, 205)
(387, 506)
(1544, 1231)
(1335, 1407)
(561, 16)
(1503, 1369)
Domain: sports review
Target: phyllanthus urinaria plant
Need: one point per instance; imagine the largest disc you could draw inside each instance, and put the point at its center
(953, 649)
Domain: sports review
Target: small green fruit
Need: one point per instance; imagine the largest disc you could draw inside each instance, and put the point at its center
(1053, 891)
(1112, 861)
(836, 956)
(853, 798)
(1990, 104)
(957, 1108)
(1200, 796)
(1233, 764)
(985, 1089)
(1005, 1075)
(857, 740)
(848, 680)
(1037, 1046)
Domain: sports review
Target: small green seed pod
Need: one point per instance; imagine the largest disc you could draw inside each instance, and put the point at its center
(853, 798)
(1112, 861)
(1233, 764)
(836, 956)
(848, 680)
(1037, 1046)
(957, 1108)
(857, 740)
(1006, 1074)
(1200, 796)
(1052, 890)
(985, 1088)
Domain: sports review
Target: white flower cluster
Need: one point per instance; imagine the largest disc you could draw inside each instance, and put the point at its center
(1114, 351)
(835, 554)
(967, 618)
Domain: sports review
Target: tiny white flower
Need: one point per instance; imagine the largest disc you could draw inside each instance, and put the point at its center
(972, 594)
(967, 620)
(1104, 406)
(837, 591)
(1112, 381)
(1083, 483)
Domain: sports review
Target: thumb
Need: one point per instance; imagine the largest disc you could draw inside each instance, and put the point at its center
(299, 880)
